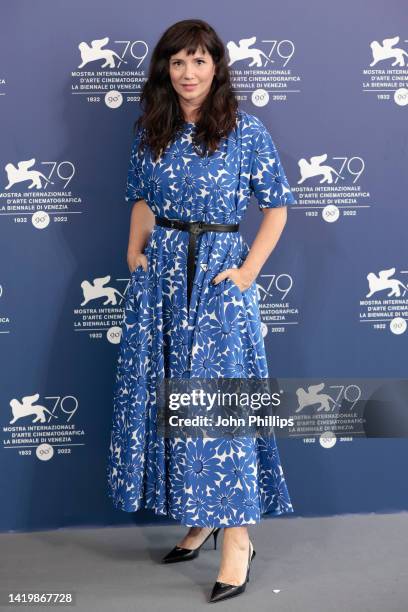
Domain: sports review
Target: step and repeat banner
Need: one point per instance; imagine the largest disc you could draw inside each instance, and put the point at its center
(331, 84)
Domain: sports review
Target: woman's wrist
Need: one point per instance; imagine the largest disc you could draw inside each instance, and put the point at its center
(132, 251)
(249, 272)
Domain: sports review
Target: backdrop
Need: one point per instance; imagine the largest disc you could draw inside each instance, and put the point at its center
(330, 83)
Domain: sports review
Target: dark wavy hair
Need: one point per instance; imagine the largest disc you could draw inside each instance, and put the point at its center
(161, 116)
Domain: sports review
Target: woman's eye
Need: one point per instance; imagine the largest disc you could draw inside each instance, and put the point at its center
(177, 63)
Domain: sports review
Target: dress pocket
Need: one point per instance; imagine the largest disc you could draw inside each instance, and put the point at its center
(138, 273)
(230, 283)
(139, 270)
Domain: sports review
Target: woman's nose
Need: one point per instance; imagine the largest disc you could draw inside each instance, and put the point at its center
(189, 71)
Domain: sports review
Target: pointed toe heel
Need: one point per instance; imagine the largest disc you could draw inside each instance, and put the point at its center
(178, 553)
(223, 590)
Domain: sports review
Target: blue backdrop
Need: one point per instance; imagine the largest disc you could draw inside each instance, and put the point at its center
(330, 82)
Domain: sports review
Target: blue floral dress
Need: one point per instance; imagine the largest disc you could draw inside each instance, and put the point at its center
(196, 481)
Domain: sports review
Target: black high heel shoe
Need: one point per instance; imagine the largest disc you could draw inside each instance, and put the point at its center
(186, 554)
(223, 590)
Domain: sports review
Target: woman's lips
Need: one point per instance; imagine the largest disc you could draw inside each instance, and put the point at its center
(189, 86)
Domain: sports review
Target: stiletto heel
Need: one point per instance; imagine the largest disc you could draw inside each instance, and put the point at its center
(253, 556)
(215, 534)
(223, 590)
(179, 553)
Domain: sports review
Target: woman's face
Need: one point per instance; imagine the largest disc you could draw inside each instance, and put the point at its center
(192, 75)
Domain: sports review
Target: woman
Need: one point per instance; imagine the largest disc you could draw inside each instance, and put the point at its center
(192, 307)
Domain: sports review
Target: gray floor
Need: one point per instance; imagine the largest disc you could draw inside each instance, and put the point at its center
(356, 563)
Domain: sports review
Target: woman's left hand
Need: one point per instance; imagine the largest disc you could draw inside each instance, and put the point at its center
(242, 277)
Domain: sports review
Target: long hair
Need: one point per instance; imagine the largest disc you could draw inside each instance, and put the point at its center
(161, 113)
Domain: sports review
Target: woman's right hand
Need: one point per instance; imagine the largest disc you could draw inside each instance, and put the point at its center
(134, 260)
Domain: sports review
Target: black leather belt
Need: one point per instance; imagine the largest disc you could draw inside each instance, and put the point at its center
(195, 228)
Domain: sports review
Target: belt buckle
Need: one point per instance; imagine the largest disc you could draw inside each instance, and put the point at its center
(195, 227)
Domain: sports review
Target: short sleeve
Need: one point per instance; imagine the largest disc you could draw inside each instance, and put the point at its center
(268, 181)
(134, 183)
